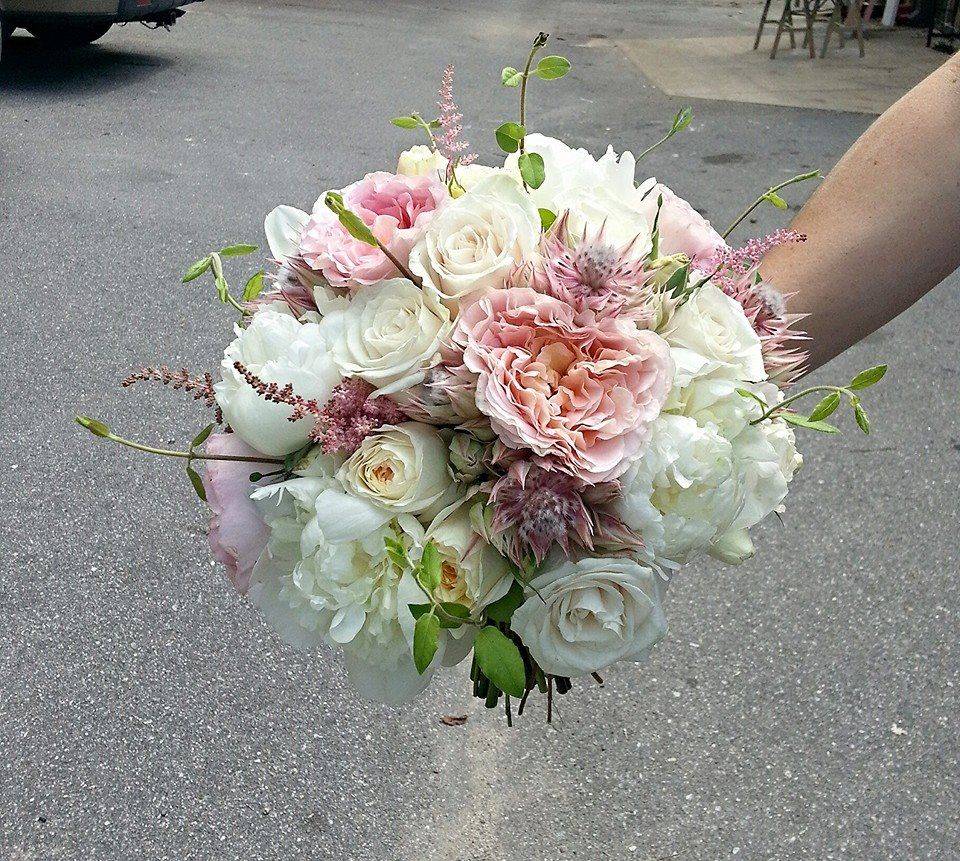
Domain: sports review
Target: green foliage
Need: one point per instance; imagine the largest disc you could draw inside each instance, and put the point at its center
(452, 615)
(96, 427)
(868, 377)
(509, 136)
(428, 571)
(253, 287)
(826, 407)
(197, 483)
(510, 77)
(547, 217)
(804, 422)
(407, 122)
(197, 269)
(861, 416)
(426, 640)
(681, 120)
(238, 249)
(552, 67)
(775, 199)
(503, 609)
(677, 283)
(397, 553)
(499, 659)
(351, 221)
(202, 437)
(532, 169)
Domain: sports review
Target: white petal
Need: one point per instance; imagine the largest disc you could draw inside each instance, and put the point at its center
(283, 227)
(342, 517)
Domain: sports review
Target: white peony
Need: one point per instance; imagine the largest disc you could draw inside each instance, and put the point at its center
(283, 226)
(711, 335)
(473, 245)
(389, 335)
(587, 615)
(278, 349)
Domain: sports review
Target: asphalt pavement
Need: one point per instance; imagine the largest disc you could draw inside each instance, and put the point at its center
(803, 706)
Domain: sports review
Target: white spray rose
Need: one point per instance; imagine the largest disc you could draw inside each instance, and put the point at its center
(590, 614)
(420, 160)
(717, 335)
(278, 349)
(473, 245)
(388, 335)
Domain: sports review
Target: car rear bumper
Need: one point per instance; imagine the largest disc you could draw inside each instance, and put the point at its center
(22, 12)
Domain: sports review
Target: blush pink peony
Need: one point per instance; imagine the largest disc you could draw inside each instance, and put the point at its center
(237, 532)
(577, 390)
(397, 210)
(683, 230)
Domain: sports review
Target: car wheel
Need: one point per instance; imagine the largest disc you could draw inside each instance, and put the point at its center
(68, 35)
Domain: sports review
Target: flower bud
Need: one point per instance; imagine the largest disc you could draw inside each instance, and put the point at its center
(466, 457)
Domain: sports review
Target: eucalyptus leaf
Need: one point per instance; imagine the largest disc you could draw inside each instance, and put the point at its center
(532, 169)
(826, 407)
(499, 659)
(552, 67)
(426, 640)
(197, 269)
(238, 249)
(509, 136)
(868, 377)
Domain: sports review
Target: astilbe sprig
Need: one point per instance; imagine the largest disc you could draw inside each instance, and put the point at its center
(448, 142)
(341, 424)
(200, 386)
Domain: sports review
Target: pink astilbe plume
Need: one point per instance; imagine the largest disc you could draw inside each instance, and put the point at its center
(448, 141)
(201, 387)
(343, 422)
(737, 274)
(534, 509)
(589, 271)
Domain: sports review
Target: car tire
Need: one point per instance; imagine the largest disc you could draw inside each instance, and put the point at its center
(68, 35)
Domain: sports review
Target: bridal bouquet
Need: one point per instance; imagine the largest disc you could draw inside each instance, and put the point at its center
(486, 412)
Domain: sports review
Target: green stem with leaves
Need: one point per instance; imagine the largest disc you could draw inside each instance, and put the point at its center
(538, 43)
(770, 195)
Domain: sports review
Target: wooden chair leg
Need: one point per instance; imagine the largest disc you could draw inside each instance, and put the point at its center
(793, 38)
(858, 26)
(763, 21)
(808, 38)
(780, 28)
(833, 24)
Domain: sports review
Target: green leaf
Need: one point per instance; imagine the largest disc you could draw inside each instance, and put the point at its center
(406, 122)
(552, 67)
(352, 222)
(531, 169)
(746, 393)
(97, 428)
(426, 640)
(433, 125)
(677, 282)
(547, 217)
(510, 77)
(826, 407)
(197, 269)
(775, 199)
(238, 249)
(429, 569)
(502, 610)
(222, 289)
(499, 658)
(197, 483)
(509, 136)
(804, 422)
(682, 119)
(253, 286)
(201, 437)
(868, 377)
(862, 421)
(417, 610)
(453, 615)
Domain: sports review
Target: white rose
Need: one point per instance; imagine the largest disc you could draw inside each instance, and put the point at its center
(472, 572)
(388, 335)
(473, 245)
(587, 615)
(469, 176)
(420, 160)
(719, 338)
(278, 349)
(398, 469)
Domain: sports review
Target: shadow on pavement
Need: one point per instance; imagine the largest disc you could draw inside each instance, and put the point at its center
(28, 68)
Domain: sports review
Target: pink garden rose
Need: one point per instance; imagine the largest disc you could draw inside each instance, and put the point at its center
(396, 208)
(683, 230)
(577, 390)
(237, 533)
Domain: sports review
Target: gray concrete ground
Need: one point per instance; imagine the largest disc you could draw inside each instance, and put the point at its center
(804, 706)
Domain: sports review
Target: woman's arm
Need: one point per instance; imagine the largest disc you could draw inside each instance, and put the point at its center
(884, 228)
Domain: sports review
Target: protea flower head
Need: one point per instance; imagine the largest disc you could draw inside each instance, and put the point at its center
(535, 508)
(589, 271)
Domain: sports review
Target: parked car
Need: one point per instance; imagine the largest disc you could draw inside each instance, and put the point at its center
(65, 23)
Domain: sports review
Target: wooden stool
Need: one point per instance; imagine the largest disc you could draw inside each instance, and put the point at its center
(835, 24)
(785, 24)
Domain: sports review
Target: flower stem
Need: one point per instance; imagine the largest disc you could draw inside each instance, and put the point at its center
(416, 279)
(772, 411)
(802, 177)
(538, 43)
